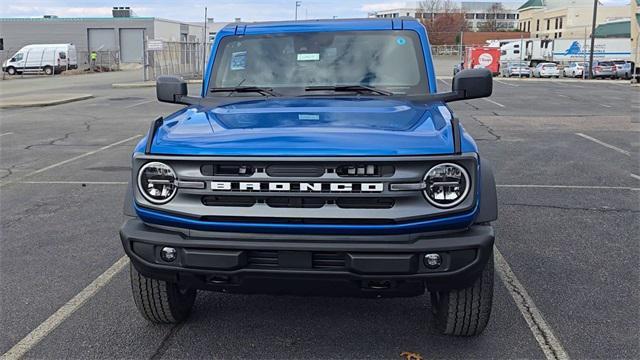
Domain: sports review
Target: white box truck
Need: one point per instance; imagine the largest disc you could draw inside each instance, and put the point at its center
(566, 50)
(38, 58)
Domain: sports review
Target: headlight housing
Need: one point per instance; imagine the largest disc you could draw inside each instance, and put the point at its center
(157, 182)
(447, 185)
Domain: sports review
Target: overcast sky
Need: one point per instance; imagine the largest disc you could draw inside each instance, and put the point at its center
(220, 10)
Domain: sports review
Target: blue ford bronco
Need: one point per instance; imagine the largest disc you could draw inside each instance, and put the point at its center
(319, 159)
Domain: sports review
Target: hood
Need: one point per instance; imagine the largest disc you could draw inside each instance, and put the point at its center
(307, 127)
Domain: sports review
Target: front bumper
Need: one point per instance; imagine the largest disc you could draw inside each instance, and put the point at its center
(232, 261)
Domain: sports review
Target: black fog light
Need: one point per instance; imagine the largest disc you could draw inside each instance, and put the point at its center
(432, 261)
(168, 254)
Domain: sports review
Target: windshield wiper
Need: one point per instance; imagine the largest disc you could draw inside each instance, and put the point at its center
(244, 89)
(356, 88)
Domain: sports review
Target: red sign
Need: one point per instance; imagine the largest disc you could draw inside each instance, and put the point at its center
(483, 57)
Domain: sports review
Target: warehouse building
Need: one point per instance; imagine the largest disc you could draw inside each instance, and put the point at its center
(122, 36)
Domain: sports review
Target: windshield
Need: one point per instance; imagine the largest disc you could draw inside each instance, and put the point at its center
(289, 63)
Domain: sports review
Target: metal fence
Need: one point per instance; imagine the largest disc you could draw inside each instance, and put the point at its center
(176, 58)
(105, 61)
(446, 50)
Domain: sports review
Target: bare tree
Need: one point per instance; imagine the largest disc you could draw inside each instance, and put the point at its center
(443, 19)
(491, 22)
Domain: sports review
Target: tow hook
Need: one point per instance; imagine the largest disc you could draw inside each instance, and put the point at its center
(379, 284)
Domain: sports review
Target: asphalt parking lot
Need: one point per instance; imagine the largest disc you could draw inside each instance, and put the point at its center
(566, 161)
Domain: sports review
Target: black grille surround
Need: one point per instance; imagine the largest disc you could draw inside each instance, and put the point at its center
(337, 190)
(319, 260)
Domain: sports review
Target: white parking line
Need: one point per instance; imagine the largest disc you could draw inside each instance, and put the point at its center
(493, 102)
(584, 187)
(140, 103)
(604, 144)
(446, 83)
(542, 332)
(39, 333)
(505, 83)
(71, 159)
(7, 133)
(604, 105)
(563, 95)
(635, 176)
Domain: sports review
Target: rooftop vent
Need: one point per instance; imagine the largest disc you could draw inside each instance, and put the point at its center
(122, 12)
(50, 16)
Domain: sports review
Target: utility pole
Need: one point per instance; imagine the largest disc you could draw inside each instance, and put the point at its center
(584, 56)
(520, 64)
(593, 37)
(298, 3)
(461, 49)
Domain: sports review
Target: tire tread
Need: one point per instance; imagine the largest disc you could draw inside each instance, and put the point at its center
(159, 301)
(466, 312)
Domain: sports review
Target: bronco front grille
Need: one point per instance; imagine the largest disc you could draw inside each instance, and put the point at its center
(313, 190)
(319, 260)
(298, 202)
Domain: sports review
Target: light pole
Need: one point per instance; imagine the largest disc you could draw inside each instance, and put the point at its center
(593, 37)
(204, 42)
(298, 3)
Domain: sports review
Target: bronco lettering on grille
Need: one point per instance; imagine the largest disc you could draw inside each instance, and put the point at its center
(296, 187)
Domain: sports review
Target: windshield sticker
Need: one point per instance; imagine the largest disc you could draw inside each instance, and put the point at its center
(308, 117)
(238, 61)
(400, 40)
(309, 57)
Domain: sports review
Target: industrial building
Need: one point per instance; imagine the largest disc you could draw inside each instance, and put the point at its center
(122, 35)
(572, 19)
(504, 13)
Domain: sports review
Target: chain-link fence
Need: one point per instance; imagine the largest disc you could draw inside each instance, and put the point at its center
(447, 50)
(176, 58)
(104, 61)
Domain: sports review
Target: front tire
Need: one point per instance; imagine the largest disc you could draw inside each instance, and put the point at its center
(161, 302)
(465, 312)
(11, 70)
(48, 70)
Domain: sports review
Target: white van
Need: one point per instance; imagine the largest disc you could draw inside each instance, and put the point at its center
(47, 58)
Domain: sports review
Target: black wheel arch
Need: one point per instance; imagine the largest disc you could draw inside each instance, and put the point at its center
(488, 195)
(128, 208)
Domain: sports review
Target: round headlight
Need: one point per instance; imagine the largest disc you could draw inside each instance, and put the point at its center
(447, 185)
(157, 182)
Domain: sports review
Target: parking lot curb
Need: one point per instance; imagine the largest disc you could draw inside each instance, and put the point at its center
(144, 84)
(41, 100)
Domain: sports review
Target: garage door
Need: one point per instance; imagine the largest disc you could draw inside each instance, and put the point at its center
(131, 45)
(102, 40)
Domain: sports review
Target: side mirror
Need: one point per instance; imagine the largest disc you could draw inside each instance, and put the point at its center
(472, 84)
(171, 89)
